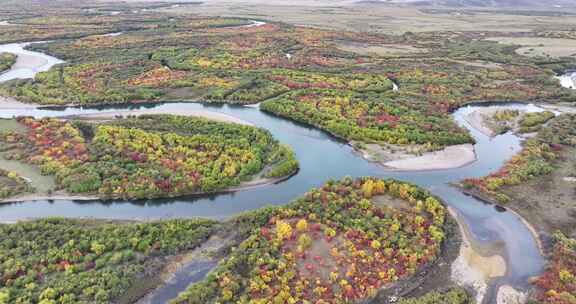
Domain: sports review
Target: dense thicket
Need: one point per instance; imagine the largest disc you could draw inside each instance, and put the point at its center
(84, 261)
(368, 117)
(338, 243)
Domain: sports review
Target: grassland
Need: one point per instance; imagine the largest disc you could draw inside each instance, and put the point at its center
(541, 46)
(382, 18)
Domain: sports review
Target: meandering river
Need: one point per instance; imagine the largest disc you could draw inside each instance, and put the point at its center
(568, 80)
(321, 157)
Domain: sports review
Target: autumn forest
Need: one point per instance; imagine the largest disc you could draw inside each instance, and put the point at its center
(160, 152)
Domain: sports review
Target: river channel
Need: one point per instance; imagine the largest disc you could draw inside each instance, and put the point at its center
(321, 157)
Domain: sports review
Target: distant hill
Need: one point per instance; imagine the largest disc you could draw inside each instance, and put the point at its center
(548, 4)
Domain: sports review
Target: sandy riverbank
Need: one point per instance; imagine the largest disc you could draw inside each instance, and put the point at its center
(251, 184)
(11, 103)
(482, 120)
(568, 81)
(477, 120)
(45, 197)
(448, 158)
(406, 158)
(195, 113)
(559, 108)
(26, 61)
(474, 269)
(509, 295)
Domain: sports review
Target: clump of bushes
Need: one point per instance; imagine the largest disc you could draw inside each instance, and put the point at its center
(6, 61)
(452, 296)
(531, 122)
(558, 283)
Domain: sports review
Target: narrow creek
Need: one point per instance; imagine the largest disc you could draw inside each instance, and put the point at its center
(321, 157)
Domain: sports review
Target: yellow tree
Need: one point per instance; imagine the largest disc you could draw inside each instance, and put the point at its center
(283, 230)
(368, 188)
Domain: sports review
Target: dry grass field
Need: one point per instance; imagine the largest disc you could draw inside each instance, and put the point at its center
(345, 15)
(383, 49)
(538, 47)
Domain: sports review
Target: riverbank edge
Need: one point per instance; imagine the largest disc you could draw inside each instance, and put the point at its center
(478, 102)
(110, 115)
(436, 165)
(537, 232)
(242, 187)
(164, 267)
(476, 120)
(225, 237)
(431, 277)
(403, 163)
